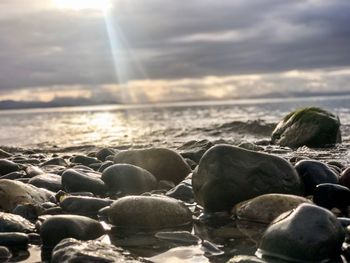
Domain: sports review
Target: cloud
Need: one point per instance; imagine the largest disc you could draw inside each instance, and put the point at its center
(161, 43)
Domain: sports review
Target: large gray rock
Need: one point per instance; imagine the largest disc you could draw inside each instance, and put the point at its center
(128, 179)
(228, 175)
(13, 193)
(72, 250)
(313, 127)
(59, 227)
(307, 234)
(163, 163)
(265, 208)
(83, 205)
(148, 212)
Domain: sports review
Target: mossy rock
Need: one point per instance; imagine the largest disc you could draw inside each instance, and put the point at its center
(313, 127)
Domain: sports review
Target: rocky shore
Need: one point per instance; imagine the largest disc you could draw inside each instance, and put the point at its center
(283, 199)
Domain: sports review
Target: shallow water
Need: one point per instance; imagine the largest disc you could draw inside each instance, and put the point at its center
(168, 125)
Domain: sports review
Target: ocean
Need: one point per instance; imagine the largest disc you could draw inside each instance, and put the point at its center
(164, 124)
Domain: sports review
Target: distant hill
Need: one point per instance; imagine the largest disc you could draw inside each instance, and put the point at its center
(60, 102)
(70, 102)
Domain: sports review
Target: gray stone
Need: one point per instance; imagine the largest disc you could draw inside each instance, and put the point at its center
(307, 234)
(313, 127)
(50, 182)
(14, 239)
(194, 150)
(14, 223)
(59, 227)
(72, 250)
(245, 259)
(104, 153)
(5, 254)
(227, 175)
(7, 166)
(163, 163)
(84, 160)
(265, 208)
(127, 179)
(78, 181)
(83, 205)
(55, 161)
(13, 193)
(149, 212)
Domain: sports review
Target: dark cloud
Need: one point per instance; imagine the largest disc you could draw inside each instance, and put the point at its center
(163, 39)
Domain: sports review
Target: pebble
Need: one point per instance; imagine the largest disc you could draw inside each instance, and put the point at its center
(48, 181)
(149, 212)
(14, 239)
(127, 179)
(313, 172)
(82, 205)
(307, 234)
(79, 181)
(84, 160)
(227, 175)
(59, 227)
(163, 163)
(104, 153)
(7, 167)
(14, 223)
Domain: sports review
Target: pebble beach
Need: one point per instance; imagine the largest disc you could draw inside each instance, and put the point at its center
(253, 182)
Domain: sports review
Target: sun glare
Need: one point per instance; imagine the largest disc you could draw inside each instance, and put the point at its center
(100, 5)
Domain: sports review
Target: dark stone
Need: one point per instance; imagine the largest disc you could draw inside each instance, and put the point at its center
(72, 250)
(50, 182)
(7, 167)
(14, 223)
(105, 165)
(84, 160)
(128, 179)
(13, 175)
(332, 195)
(163, 163)
(14, 239)
(53, 169)
(59, 227)
(345, 178)
(183, 192)
(228, 175)
(313, 127)
(55, 161)
(307, 234)
(82, 205)
(27, 211)
(149, 212)
(5, 254)
(104, 153)
(77, 181)
(4, 154)
(194, 150)
(313, 172)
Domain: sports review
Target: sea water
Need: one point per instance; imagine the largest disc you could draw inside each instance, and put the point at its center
(164, 124)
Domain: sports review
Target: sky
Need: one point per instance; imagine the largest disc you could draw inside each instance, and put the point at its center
(137, 51)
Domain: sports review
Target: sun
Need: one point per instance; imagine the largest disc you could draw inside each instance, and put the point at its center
(78, 5)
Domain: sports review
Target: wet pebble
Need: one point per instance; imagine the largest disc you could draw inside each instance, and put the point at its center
(265, 208)
(332, 195)
(55, 161)
(72, 250)
(14, 223)
(314, 172)
(50, 182)
(227, 175)
(14, 239)
(182, 191)
(127, 179)
(163, 163)
(78, 181)
(84, 160)
(58, 227)
(13, 193)
(104, 153)
(307, 234)
(82, 205)
(7, 166)
(4, 254)
(149, 212)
